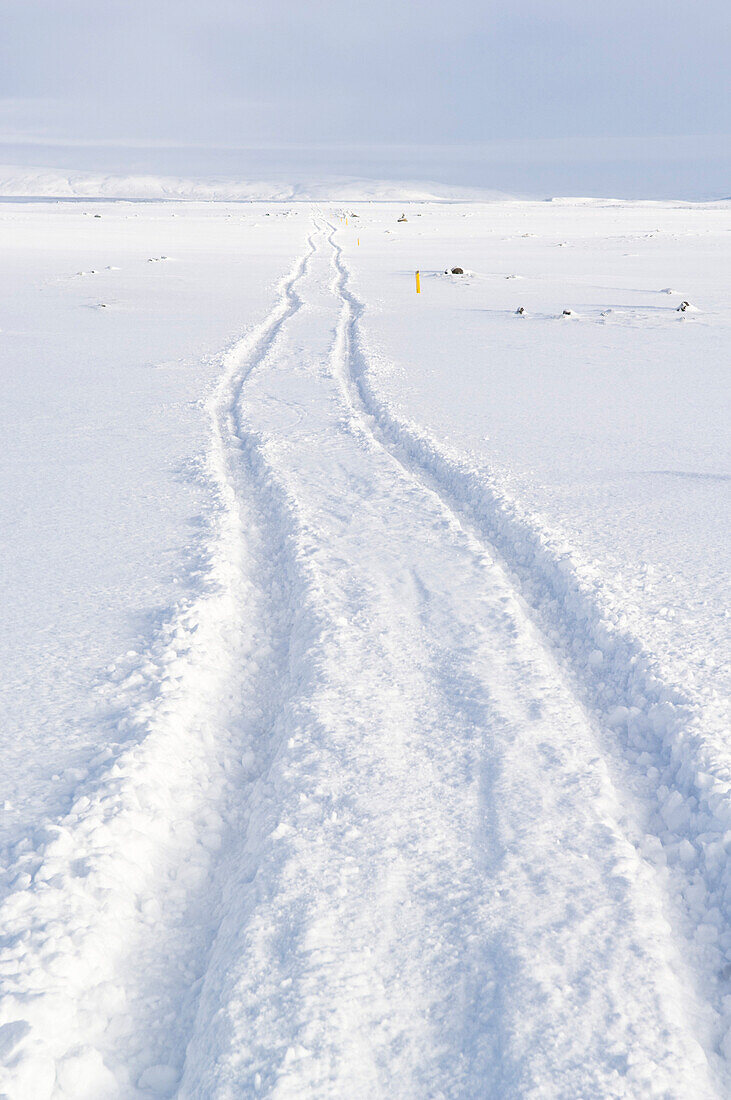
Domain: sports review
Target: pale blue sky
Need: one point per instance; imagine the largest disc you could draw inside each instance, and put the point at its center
(509, 94)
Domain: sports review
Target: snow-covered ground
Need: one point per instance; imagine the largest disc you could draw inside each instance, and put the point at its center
(364, 652)
(110, 332)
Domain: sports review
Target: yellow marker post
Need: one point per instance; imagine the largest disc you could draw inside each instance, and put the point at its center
(418, 283)
(358, 240)
(346, 221)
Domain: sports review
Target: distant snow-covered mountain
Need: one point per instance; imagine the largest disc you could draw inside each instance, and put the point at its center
(25, 182)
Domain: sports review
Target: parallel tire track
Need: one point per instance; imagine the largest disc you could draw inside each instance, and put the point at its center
(674, 786)
(438, 817)
(137, 904)
(108, 924)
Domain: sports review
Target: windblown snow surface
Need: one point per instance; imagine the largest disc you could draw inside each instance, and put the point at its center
(364, 652)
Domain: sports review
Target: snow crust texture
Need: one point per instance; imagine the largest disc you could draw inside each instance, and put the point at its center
(400, 808)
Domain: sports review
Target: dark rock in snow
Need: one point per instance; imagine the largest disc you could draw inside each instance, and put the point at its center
(457, 271)
(520, 309)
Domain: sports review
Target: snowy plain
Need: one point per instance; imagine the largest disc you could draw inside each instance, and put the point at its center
(365, 654)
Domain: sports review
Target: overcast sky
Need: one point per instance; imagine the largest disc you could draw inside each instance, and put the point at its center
(563, 75)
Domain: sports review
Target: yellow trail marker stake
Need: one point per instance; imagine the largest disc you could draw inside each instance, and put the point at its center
(418, 283)
(346, 221)
(358, 240)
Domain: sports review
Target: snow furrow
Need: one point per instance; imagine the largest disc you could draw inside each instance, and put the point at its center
(675, 777)
(108, 923)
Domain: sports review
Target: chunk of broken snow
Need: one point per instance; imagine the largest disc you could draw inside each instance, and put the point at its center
(160, 1080)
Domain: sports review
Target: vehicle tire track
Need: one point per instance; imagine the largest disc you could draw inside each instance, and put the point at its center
(675, 791)
(121, 903)
(438, 898)
(360, 840)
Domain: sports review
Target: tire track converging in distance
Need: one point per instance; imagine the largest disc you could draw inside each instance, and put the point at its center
(121, 903)
(364, 837)
(438, 896)
(672, 783)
